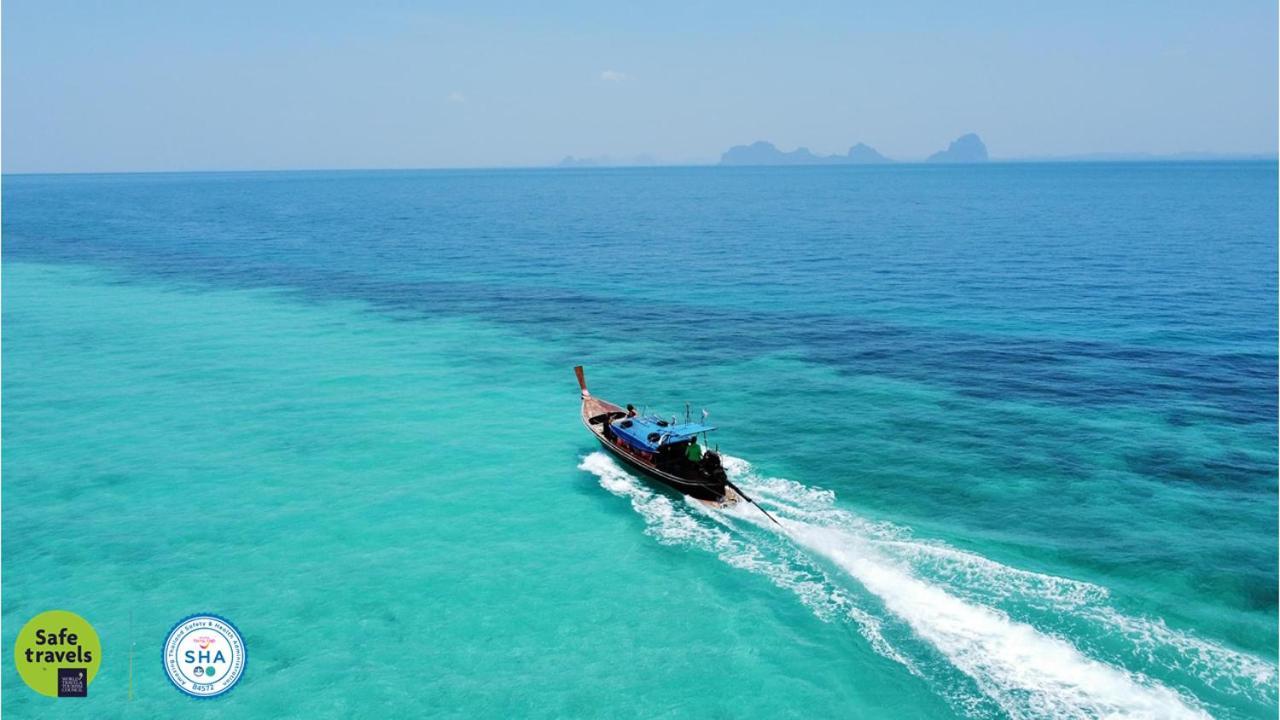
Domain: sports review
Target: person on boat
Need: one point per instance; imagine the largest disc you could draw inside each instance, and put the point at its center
(694, 452)
(631, 410)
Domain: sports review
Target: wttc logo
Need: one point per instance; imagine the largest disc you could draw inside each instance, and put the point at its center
(204, 655)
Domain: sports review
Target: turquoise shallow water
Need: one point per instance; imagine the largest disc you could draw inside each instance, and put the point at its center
(1019, 420)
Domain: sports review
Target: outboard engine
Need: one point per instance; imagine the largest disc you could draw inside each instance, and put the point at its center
(711, 469)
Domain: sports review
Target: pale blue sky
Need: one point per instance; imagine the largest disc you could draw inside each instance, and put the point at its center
(98, 86)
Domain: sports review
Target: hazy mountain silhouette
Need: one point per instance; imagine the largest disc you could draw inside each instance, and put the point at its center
(765, 153)
(964, 149)
(862, 153)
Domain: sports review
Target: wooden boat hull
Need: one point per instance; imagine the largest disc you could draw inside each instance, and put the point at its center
(712, 494)
(705, 493)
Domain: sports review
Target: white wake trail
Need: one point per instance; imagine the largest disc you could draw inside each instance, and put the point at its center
(1028, 673)
(948, 599)
(673, 524)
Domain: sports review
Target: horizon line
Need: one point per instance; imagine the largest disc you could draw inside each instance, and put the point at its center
(1083, 159)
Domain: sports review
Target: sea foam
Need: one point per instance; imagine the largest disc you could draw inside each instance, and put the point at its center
(947, 600)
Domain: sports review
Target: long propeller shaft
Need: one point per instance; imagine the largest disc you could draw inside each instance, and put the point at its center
(753, 502)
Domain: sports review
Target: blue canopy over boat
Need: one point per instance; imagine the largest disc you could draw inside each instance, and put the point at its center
(651, 432)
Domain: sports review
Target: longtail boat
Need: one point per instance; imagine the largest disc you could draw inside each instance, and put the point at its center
(666, 451)
(659, 448)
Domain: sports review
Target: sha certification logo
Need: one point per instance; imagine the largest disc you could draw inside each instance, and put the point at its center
(204, 656)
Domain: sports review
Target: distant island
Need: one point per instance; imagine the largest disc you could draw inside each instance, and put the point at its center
(965, 149)
(766, 153)
(865, 154)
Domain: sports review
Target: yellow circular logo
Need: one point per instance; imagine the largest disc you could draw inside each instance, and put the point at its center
(57, 654)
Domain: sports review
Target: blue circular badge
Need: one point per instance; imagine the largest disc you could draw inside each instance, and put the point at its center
(204, 655)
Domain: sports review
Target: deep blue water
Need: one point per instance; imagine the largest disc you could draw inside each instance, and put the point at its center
(1048, 392)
